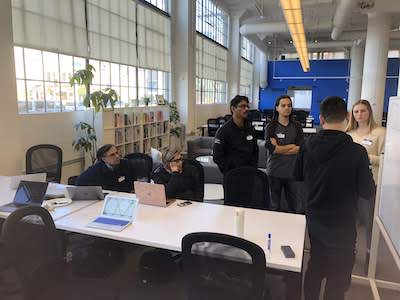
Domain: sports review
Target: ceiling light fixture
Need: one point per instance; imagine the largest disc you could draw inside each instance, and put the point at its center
(294, 19)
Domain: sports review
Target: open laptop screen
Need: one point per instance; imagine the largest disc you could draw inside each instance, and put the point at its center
(119, 207)
(30, 192)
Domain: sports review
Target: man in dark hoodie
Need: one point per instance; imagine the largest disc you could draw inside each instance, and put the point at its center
(336, 173)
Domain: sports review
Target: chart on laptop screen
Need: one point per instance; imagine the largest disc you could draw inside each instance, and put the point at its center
(120, 207)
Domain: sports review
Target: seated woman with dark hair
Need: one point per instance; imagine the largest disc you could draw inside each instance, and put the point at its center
(180, 179)
(110, 171)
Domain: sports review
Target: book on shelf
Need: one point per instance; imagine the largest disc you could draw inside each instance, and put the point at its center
(127, 120)
(118, 137)
(159, 116)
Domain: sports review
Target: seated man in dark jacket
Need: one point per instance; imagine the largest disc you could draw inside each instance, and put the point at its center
(110, 171)
(180, 179)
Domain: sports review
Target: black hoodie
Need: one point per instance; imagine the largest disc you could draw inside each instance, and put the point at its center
(336, 172)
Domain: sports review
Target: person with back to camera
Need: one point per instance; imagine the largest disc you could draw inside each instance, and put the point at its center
(336, 173)
(179, 178)
(283, 137)
(235, 143)
(364, 131)
(110, 171)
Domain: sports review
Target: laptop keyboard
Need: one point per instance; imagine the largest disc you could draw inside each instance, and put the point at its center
(108, 224)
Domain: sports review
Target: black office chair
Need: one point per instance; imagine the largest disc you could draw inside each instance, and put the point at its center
(44, 158)
(197, 170)
(246, 187)
(227, 117)
(210, 276)
(142, 165)
(212, 126)
(221, 121)
(34, 249)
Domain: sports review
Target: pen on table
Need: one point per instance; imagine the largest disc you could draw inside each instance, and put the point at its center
(269, 242)
(61, 202)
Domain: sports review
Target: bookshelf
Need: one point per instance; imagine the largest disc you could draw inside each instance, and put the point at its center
(136, 129)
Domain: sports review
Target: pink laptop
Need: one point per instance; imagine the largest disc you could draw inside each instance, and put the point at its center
(151, 194)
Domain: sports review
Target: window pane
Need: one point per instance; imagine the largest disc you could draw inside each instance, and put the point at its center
(21, 96)
(19, 62)
(33, 64)
(96, 66)
(114, 74)
(35, 96)
(123, 75)
(52, 96)
(132, 76)
(105, 73)
(67, 97)
(124, 96)
(50, 62)
(66, 69)
(132, 95)
(79, 63)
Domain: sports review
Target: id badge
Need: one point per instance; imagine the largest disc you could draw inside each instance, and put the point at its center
(249, 137)
(367, 142)
(121, 178)
(280, 135)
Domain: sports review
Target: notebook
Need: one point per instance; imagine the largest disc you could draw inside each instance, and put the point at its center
(28, 193)
(39, 177)
(85, 192)
(118, 212)
(151, 194)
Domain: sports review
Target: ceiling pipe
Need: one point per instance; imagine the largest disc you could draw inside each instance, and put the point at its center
(342, 15)
(269, 28)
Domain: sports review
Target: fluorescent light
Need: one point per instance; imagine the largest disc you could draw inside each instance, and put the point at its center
(294, 19)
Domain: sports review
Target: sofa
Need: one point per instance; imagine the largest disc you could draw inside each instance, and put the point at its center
(200, 146)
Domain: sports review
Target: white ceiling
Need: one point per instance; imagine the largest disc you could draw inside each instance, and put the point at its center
(317, 16)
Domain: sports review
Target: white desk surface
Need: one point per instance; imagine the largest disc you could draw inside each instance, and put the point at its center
(165, 227)
(213, 191)
(7, 196)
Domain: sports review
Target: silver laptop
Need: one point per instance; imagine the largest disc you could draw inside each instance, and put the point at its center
(118, 212)
(28, 193)
(14, 182)
(85, 192)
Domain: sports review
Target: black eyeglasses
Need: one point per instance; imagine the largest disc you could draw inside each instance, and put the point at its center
(176, 160)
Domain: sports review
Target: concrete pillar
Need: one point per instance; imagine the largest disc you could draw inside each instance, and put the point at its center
(234, 56)
(10, 132)
(375, 62)
(183, 64)
(398, 83)
(356, 68)
(256, 79)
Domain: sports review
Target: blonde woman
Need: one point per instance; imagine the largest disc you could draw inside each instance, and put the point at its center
(364, 131)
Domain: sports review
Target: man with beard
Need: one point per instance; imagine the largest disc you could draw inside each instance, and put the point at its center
(110, 171)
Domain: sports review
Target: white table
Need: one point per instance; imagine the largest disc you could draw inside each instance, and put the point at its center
(165, 227)
(7, 196)
(213, 192)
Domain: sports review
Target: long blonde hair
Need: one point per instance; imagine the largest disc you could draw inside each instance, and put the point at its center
(353, 124)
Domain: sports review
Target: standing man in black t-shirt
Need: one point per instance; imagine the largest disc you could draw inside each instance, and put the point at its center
(336, 173)
(283, 137)
(235, 143)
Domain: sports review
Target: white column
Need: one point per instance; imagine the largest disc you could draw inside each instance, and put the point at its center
(256, 79)
(375, 62)
(356, 70)
(234, 56)
(398, 85)
(183, 65)
(10, 134)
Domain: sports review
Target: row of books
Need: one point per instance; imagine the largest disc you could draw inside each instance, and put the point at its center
(123, 119)
(154, 129)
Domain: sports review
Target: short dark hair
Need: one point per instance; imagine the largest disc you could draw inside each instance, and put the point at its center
(101, 152)
(237, 99)
(333, 109)
(275, 113)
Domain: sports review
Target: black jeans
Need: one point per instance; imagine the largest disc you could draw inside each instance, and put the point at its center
(334, 264)
(294, 194)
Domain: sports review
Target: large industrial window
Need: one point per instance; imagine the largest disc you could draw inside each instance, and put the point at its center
(212, 21)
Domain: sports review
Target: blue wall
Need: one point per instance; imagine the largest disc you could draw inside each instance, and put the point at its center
(326, 78)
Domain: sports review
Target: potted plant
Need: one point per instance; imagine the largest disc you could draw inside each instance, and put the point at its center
(98, 100)
(146, 101)
(174, 121)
